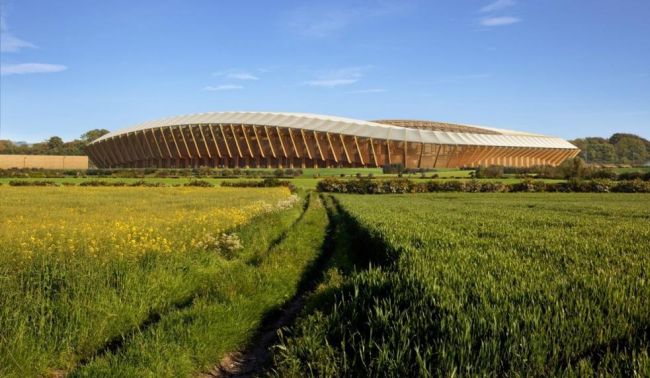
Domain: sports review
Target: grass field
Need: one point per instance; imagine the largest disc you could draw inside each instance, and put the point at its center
(83, 269)
(482, 284)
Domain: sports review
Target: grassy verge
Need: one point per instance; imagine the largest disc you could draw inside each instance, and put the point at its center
(537, 285)
(228, 310)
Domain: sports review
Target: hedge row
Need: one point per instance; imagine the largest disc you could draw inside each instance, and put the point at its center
(85, 183)
(365, 186)
(266, 183)
(149, 172)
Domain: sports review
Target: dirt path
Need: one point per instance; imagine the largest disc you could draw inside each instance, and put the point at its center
(257, 356)
(253, 360)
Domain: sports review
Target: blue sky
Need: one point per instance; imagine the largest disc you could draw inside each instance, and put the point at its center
(569, 68)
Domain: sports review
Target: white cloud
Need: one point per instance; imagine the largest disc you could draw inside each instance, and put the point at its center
(322, 21)
(497, 5)
(27, 68)
(223, 87)
(499, 21)
(9, 42)
(336, 78)
(236, 75)
(242, 76)
(371, 90)
(328, 83)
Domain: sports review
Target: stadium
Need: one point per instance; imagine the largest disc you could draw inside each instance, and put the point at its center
(288, 140)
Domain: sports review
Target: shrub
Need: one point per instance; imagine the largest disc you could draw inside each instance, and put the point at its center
(632, 186)
(225, 245)
(492, 171)
(102, 183)
(269, 182)
(32, 183)
(528, 185)
(199, 183)
(602, 173)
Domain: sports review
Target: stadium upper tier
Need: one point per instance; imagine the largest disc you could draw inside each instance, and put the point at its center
(269, 139)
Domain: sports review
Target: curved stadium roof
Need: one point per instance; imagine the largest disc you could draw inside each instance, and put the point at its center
(409, 130)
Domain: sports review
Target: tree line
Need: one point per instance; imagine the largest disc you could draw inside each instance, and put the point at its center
(52, 146)
(620, 148)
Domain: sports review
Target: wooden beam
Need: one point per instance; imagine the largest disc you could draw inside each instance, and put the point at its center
(104, 146)
(140, 145)
(490, 155)
(232, 129)
(196, 146)
(372, 149)
(320, 150)
(450, 157)
(225, 141)
(259, 144)
(110, 145)
(106, 159)
(293, 143)
(128, 149)
(356, 143)
(388, 146)
(92, 155)
(270, 141)
(388, 151)
(435, 162)
(125, 148)
(205, 141)
(153, 134)
(214, 140)
(133, 142)
(284, 150)
(189, 154)
(248, 144)
(304, 140)
(169, 151)
(406, 149)
(345, 149)
(329, 141)
(421, 153)
(471, 158)
(178, 150)
(146, 141)
(549, 152)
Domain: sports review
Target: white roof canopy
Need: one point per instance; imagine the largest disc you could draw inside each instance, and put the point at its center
(348, 126)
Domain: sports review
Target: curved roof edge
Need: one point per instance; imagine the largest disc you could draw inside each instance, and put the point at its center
(349, 126)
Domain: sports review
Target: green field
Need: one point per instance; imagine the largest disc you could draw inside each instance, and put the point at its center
(169, 281)
(487, 284)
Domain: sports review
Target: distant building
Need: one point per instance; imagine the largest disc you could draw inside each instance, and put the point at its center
(264, 139)
(43, 161)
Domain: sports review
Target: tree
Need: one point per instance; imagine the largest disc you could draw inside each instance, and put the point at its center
(631, 149)
(93, 134)
(54, 145)
(600, 153)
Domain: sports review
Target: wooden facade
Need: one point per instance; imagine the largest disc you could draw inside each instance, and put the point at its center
(252, 145)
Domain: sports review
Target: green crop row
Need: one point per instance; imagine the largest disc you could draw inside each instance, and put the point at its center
(484, 285)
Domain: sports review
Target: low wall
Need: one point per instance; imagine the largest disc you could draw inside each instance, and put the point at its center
(43, 161)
